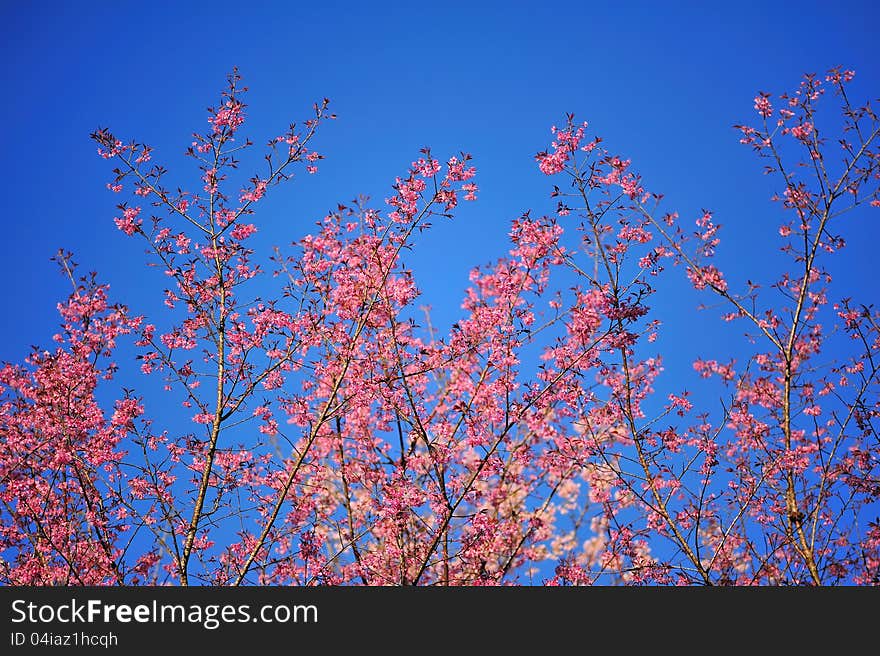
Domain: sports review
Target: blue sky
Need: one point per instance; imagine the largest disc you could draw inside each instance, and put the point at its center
(661, 82)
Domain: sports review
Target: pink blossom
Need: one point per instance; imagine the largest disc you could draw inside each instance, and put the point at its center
(762, 105)
(129, 223)
(242, 231)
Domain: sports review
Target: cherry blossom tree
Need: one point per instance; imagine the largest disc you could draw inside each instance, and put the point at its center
(333, 436)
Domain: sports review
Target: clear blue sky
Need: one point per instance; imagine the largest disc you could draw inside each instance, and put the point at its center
(662, 82)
